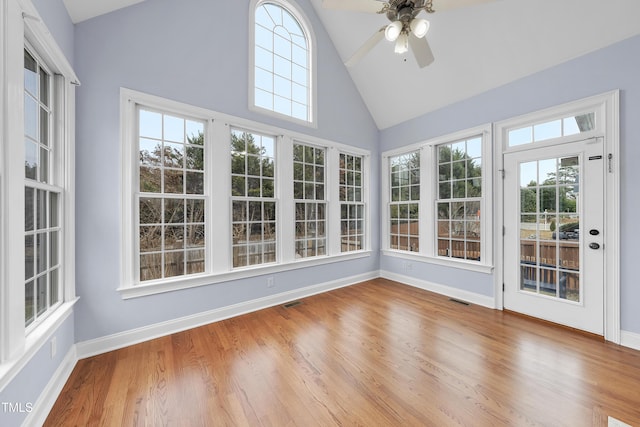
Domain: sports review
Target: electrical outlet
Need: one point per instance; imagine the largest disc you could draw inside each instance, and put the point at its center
(54, 347)
(270, 282)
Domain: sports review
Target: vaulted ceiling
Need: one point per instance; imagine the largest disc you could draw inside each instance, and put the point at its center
(476, 48)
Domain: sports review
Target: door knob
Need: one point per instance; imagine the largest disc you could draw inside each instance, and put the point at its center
(594, 245)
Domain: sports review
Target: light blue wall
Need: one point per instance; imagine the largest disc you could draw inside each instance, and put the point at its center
(192, 51)
(57, 20)
(29, 383)
(615, 67)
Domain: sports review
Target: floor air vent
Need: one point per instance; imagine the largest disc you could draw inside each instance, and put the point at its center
(458, 301)
(292, 304)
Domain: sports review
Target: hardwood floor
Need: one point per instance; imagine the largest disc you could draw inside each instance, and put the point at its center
(374, 354)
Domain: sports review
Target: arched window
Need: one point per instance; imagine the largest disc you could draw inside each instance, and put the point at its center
(282, 75)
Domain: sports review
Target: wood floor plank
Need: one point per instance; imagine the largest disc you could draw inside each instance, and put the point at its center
(374, 354)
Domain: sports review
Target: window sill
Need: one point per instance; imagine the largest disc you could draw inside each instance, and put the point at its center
(453, 263)
(157, 287)
(34, 342)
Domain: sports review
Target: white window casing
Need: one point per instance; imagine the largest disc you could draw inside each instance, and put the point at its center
(276, 76)
(219, 259)
(428, 232)
(22, 27)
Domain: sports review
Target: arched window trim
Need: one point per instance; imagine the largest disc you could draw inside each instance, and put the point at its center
(296, 12)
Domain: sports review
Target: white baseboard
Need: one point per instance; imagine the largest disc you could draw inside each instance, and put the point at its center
(470, 297)
(123, 339)
(630, 339)
(47, 399)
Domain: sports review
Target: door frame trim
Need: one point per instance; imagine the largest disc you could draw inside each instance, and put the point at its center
(606, 107)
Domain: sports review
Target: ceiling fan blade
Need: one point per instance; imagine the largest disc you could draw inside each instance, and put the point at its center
(444, 5)
(366, 47)
(421, 50)
(371, 6)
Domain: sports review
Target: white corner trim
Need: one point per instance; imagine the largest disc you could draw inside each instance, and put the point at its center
(134, 336)
(471, 297)
(52, 390)
(630, 339)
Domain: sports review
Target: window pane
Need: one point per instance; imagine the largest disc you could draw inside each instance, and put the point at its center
(547, 130)
(520, 136)
(29, 257)
(173, 128)
(150, 124)
(30, 73)
(29, 303)
(30, 159)
(30, 117)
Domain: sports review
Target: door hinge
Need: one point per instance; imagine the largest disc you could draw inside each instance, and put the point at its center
(610, 162)
(501, 172)
(503, 287)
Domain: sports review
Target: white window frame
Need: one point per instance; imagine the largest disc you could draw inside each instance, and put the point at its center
(262, 199)
(351, 203)
(299, 15)
(53, 183)
(24, 27)
(218, 262)
(310, 201)
(428, 252)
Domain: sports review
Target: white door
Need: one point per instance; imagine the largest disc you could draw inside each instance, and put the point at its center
(553, 236)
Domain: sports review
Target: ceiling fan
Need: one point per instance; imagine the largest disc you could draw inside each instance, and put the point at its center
(405, 29)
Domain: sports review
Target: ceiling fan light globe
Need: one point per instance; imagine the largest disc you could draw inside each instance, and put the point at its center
(419, 27)
(402, 43)
(393, 30)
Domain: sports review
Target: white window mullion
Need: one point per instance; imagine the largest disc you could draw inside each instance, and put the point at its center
(428, 230)
(385, 185)
(286, 205)
(334, 237)
(218, 221)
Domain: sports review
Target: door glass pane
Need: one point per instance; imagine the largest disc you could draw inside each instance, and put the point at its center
(550, 228)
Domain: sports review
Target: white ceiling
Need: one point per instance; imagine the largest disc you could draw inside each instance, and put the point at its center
(81, 10)
(477, 48)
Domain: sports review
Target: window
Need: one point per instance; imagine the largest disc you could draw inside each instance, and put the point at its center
(404, 202)
(459, 199)
(556, 128)
(42, 194)
(282, 61)
(209, 197)
(439, 200)
(351, 203)
(253, 194)
(171, 200)
(309, 195)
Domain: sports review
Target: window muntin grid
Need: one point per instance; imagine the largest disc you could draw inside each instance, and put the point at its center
(171, 199)
(43, 231)
(556, 128)
(282, 62)
(309, 193)
(459, 199)
(404, 178)
(253, 198)
(351, 203)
